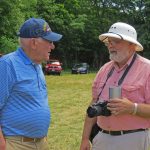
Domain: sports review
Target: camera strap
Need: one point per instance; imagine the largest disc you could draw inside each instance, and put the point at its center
(123, 76)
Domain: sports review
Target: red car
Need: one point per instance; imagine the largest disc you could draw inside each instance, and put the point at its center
(53, 67)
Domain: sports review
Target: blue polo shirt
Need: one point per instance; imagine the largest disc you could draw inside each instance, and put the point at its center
(24, 108)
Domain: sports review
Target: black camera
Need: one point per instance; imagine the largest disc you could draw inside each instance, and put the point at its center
(98, 109)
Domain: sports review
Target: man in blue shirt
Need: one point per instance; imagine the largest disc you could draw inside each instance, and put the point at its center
(24, 110)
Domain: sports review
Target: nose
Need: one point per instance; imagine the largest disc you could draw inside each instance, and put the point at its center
(52, 46)
(110, 45)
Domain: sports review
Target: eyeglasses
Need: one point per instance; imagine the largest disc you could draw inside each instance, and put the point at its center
(113, 42)
(50, 42)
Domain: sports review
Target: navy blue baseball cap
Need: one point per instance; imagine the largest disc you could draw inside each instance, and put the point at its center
(34, 28)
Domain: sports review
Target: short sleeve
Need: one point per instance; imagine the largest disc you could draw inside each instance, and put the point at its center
(6, 82)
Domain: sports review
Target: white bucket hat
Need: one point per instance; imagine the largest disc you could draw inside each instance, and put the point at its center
(122, 31)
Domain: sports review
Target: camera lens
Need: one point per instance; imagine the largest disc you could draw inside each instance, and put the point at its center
(93, 111)
(98, 109)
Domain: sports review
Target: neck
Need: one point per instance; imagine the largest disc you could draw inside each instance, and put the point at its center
(121, 64)
(31, 56)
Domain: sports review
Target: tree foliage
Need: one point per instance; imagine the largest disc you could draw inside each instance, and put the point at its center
(79, 21)
(12, 15)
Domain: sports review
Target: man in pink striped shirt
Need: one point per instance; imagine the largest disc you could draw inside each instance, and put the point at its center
(127, 126)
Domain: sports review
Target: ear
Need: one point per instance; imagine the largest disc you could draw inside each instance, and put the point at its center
(33, 43)
(132, 46)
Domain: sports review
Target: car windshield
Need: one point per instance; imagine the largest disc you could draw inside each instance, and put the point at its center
(53, 62)
(80, 65)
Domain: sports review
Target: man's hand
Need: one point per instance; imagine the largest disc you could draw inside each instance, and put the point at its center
(85, 144)
(120, 106)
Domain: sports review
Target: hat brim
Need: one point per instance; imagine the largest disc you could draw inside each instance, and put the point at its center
(104, 38)
(52, 36)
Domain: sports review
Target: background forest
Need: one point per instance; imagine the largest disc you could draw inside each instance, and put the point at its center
(80, 22)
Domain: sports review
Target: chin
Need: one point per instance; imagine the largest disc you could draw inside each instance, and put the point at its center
(115, 58)
(46, 58)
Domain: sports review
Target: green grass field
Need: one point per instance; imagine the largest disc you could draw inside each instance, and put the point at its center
(69, 96)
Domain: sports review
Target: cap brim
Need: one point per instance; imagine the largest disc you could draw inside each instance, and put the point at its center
(52, 36)
(103, 38)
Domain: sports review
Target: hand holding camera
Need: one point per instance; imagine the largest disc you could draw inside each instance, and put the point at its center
(100, 108)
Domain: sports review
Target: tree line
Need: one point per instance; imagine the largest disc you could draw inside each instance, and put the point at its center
(79, 21)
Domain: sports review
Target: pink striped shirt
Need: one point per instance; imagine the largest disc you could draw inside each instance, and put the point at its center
(135, 87)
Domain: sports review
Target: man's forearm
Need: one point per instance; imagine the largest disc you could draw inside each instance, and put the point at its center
(1, 134)
(143, 110)
(2, 141)
(89, 122)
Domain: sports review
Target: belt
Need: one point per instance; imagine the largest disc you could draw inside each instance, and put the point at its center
(115, 133)
(24, 139)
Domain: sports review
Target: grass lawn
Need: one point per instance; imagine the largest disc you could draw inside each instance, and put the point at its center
(69, 96)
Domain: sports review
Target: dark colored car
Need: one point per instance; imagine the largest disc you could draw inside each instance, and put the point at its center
(80, 68)
(53, 67)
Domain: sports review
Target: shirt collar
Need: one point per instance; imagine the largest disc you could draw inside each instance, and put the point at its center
(24, 57)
